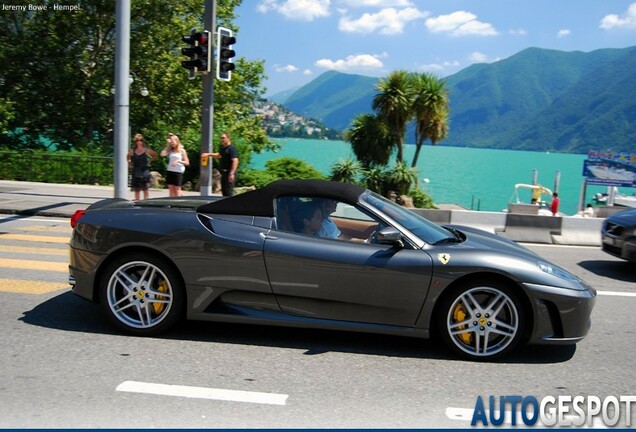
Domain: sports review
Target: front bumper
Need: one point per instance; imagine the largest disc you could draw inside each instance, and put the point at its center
(561, 315)
(620, 247)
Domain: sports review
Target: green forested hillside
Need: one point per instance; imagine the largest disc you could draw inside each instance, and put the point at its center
(334, 98)
(537, 99)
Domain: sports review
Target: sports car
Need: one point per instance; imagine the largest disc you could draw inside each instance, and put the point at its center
(320, 254)
(618, 235)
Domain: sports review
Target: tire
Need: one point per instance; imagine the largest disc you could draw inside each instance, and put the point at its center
(142, 294)
(481, 320)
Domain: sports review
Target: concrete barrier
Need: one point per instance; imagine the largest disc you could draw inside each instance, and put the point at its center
(579, 231)
(488, 221)
(566, 230)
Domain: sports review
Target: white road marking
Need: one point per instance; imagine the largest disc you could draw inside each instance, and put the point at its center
(203, 393)
(616, 293)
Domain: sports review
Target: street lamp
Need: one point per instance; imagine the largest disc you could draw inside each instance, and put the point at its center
(131, 79)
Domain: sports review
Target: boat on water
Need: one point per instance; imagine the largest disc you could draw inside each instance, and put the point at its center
(537, 205)
(614, 197)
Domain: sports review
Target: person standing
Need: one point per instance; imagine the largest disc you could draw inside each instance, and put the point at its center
(554, 206)
(229, 164)
(177, 163)
(138, 158)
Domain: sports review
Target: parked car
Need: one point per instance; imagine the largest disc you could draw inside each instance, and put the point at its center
(256, 258)
(618, 235)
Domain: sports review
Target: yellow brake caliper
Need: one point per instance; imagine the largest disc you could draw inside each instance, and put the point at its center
(159, 307)
(459, 315)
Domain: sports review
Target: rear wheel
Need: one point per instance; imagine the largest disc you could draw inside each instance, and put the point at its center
(142, 294)
(481, 321)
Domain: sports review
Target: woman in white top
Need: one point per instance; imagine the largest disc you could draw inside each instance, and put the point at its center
(177, 161)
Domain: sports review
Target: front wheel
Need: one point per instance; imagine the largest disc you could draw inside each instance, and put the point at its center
(481, 321)
(142, 294)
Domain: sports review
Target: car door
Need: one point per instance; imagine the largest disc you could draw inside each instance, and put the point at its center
(346, 280)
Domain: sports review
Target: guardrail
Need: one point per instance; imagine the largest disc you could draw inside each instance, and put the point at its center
(56, 168)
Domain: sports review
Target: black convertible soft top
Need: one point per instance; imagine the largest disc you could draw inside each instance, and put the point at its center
(260, 202)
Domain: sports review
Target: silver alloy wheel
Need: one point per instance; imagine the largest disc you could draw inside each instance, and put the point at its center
(139, 294)
(483, 321)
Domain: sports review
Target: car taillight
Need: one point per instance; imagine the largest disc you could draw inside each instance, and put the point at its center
(76, 217)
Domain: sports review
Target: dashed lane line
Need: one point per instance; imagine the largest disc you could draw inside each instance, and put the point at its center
(616, 293)
(203, 393)
(22, 286)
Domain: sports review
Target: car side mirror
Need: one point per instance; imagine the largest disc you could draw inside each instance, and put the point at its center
(390, 236)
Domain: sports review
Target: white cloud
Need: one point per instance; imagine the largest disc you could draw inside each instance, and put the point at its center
(628, 20)
(297, 10)
(478, 57)
(352, 62)
(460, 23)
(288, 68)
(439, 67)
(307, 72)
(387, 21)
(377, 3)
(563, 33)
(518, 32)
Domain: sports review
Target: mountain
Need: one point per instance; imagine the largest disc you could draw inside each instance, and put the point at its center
(537, 99)
(334, 98)
(281, 97)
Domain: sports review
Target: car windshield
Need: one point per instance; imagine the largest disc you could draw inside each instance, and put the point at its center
(426, 230)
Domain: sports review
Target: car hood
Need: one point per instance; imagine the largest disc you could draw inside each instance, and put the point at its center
(480, 239)
(624, 218)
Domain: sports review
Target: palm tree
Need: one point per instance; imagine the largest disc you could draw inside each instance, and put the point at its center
(430, 109)
(346, 171)
(370, 140)
(393, 105)
(402, 177)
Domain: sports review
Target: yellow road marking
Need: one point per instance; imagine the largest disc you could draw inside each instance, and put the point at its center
(33, 250)
(34, 238)
(29, 286)
(34, 265)
(53, 228)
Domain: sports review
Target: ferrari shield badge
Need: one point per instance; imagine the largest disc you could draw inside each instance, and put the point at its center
(444, 258)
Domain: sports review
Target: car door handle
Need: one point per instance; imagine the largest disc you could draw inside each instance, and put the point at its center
(266, 236)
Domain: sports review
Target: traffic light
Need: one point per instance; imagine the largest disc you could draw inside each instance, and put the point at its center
(224, 65)
(199, 51)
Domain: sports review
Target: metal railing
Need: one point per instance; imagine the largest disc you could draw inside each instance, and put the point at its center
(56, 167)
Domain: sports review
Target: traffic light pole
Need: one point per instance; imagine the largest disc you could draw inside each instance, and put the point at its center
(122, 97)
(207, 109)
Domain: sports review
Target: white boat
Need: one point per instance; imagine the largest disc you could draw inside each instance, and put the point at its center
(537, 206)
(619, 199)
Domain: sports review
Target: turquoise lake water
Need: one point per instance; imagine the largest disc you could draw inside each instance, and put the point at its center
(481, 178)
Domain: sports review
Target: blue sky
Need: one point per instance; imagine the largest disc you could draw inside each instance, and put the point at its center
(301, 39)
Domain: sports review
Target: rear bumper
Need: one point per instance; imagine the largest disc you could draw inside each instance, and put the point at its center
(82, 271)
(561, 315)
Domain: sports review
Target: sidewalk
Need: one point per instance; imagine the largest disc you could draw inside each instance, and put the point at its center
(57, 200)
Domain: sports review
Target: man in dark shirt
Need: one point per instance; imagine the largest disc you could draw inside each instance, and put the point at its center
(229, 164)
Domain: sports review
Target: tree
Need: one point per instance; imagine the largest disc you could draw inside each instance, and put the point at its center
(393, 105)
(370, 139)
(430, 110)
(346, 171)
(401, 178)
(69, 59)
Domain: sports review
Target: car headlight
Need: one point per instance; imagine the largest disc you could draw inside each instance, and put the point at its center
(556, 271)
